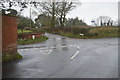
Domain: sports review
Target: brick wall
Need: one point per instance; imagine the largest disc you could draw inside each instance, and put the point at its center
(0, 33)
(9, 34)
(29, 35)
(36, 36)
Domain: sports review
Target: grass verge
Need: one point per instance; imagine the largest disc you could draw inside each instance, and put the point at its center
(71, 35)
(11, 57)
(91, 32)
(24, 31)
(30, 41)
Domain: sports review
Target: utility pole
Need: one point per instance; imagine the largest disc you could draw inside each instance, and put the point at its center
(30, 15)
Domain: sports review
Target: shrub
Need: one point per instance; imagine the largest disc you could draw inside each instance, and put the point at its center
(11, 57)
(105, 31)
(75, 30)
(92, 34)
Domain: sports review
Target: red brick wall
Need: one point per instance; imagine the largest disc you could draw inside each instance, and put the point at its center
(36, 36)
(0, 33)
(9, 33)
(29, 36)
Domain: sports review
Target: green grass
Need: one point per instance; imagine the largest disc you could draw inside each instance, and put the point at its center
(24, 31)
(105, 31)
(30, 41)
(11, 57)
(71, 35)
(91, 32)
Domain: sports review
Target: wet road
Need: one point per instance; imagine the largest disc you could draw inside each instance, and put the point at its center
(62, 57)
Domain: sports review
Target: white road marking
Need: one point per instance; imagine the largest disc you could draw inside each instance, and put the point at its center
(46, 52)
(58, 38)
(78, 47)
(71, 45)
(53, 47)
(63, 46)
(75, 55)
(74, 45)
(50, 51)
(33, 48)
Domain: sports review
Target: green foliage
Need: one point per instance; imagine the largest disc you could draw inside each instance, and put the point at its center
(24, 31)
(105, 31)
(75, 30)
(75, 22)
(38, 30)
(90, 32)
(11, 57)
(30, 41)
(85, 31)
(43, 20)
(3, 12)
(24, 22)
(12, 12)
(71, 35)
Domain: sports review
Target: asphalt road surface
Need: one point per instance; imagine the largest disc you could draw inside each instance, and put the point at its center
(62, 57)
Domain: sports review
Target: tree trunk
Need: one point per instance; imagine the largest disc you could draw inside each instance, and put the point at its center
(60, 21)
(64, 20)
(53, 16)
(101, 23)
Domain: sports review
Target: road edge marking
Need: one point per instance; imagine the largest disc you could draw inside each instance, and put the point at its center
(75, 55)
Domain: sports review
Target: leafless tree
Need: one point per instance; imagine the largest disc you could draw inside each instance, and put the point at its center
(63, 9)
(57, 9)
(104, 21)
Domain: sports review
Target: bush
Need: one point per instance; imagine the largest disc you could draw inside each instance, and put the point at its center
(92, 34)
(11, 57)
(85, 31)
(105, 31)
(67, 29)
(75, 30)
(89, 32)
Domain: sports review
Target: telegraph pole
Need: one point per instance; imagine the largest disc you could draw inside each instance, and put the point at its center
(30, 15)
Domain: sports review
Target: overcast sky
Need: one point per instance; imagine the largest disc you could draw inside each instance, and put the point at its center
(91, 9)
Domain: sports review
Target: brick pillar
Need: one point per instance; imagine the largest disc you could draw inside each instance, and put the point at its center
(9, 36)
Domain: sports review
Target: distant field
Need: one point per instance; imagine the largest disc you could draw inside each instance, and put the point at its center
(24, 31)
(106, 31)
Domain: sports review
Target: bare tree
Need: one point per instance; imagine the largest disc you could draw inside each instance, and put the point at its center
(57, 9)
(104, 21)
(63, 9)
(49, 9)
(19, 6)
